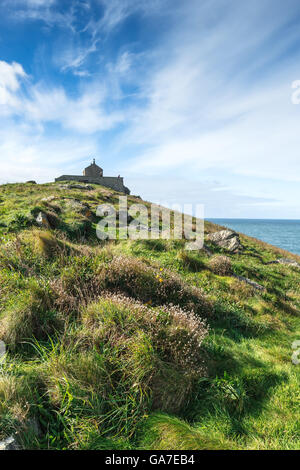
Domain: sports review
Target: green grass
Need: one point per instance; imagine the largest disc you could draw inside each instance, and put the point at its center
(99, 359)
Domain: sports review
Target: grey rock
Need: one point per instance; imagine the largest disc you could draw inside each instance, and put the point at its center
(42, 220)
(78, 206)
(9, 443)
(86, 187)
(48, 199)
(253, 284)
(288, 262)
(226, 239)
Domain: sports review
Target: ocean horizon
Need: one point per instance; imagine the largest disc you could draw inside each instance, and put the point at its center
(284, 233)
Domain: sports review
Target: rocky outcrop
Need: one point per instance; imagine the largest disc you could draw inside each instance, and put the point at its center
(288, 262)
(253, 284)
(87, 187)
(83, 187)
(42, 220)
(226, 239)
(48, 199)
(78, 206)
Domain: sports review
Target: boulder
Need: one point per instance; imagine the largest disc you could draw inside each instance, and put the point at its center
(42, 220)
(226, 239)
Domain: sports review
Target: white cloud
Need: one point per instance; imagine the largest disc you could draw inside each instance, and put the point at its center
(39, 104)
(212, 96)
(72, 58)
(27, 154)
(213, 104)
(10, 76)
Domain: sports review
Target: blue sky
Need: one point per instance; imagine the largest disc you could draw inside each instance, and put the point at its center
(189, 100)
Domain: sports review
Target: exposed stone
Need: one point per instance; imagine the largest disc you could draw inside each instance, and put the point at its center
(226, 239)
(253, 284)
(42, 220)
(86, 187)
(48, 199)
(30, 182)
(9, 444)
(78, 206)
(288, 262)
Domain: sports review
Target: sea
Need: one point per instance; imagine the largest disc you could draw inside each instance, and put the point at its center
(282, 233)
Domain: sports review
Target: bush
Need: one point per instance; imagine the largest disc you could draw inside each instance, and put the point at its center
(176, 334)
(19, 221)
(150, 284)
(159, 349)
(221, 265)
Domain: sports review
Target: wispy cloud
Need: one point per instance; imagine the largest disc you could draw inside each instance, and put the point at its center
(167, 88)
(40, 104)
(10, 76)
(213, 101)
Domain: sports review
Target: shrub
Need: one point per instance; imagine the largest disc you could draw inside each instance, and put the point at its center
(19, 221)
(159, 349)
(230, 392)
(150, 284)
(221, 265)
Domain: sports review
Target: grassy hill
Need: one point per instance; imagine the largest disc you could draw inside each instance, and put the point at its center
(140, 344)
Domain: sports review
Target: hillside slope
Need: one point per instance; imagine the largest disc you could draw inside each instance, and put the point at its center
(140, 344)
